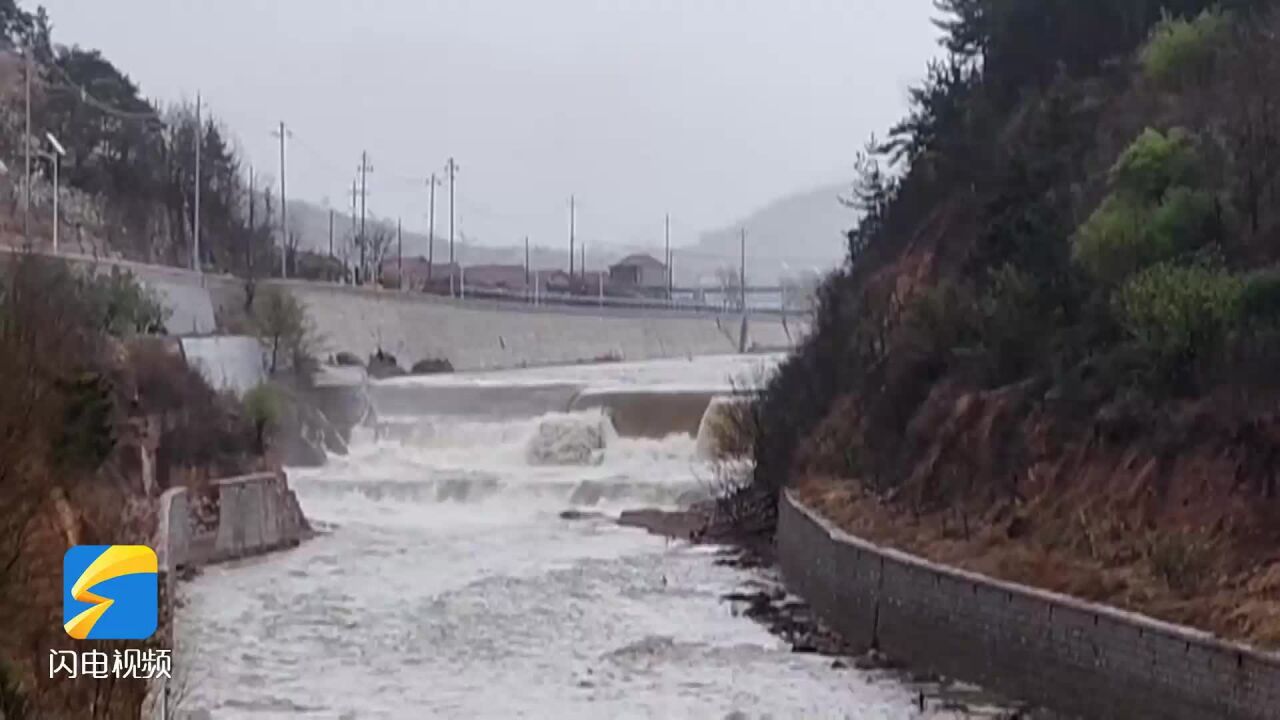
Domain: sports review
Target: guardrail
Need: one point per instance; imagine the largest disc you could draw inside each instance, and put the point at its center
(488, 294)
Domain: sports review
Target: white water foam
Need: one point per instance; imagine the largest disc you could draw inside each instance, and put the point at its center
(447, 584)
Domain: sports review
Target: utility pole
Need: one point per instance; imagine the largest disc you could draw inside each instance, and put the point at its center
(283, 133)
(364, 199)
(667, 256)
(248, 247)
(355, 195)
(26, 155)
(251, 203)
(452, 168)
(195, 254)
(526, 265)
(572, 228)
(399, 254)
(671, 271)
(431, 228)
(57, 162)
(742, 281)
(331, 237)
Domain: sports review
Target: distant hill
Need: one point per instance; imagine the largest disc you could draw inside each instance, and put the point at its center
(312, 222)
(805, 231)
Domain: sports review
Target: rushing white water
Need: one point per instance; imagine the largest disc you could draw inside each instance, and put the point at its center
(447, 584)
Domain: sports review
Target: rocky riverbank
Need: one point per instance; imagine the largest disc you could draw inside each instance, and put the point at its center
(765, 599)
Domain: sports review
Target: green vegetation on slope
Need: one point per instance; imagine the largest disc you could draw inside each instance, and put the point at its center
(85, 391)
(133, 161)
(1066, 269)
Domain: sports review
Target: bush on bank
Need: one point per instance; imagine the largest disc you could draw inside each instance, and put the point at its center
(84, 385)
(1051, 353)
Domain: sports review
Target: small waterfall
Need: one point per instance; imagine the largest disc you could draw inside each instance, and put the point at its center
(717, 426)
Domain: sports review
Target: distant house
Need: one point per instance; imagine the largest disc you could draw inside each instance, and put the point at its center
(508, 278)
(638, 274)
(417, 270)
(553, 281)
(594, 282)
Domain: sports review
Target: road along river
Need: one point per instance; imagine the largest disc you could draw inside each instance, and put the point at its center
(446, 582)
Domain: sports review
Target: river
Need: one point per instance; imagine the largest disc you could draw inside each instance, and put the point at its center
(445, 582)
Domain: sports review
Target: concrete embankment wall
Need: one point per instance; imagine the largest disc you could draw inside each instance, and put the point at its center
(229, 519)
(479, 334)
(471, 334)
(227, 362)
(1076, 657)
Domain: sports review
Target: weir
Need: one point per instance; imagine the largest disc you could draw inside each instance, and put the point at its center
(634, 410)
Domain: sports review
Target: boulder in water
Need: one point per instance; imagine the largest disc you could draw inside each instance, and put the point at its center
(431, 366)
(567, 440)
(346, 359)
(383, 365)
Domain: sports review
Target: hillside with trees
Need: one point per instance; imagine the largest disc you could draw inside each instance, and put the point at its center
(129, 175)
(1050, 354)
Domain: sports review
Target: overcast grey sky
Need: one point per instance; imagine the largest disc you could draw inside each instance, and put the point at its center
(706, 108)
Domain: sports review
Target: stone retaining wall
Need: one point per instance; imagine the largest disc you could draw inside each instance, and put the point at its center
(232, 518)
(1066, 654)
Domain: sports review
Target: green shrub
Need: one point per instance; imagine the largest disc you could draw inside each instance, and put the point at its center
(124, 307)
(1185, 221)
(940, 319)
(1155, 162)
(1153, 215)
(280, 321)
(1113, 242)
(1179, 316)
(87, 435)
(1182, 51)
(1260, 297)
(1014, 323)
(264, 407)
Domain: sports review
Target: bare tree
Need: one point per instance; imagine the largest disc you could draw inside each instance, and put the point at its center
(376, 242)
(283, 329)
(291, 244)
(727, 278)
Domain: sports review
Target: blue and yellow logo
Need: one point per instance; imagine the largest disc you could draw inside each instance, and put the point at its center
(110, 592)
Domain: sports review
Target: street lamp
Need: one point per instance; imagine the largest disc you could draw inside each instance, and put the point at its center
(58, 153)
